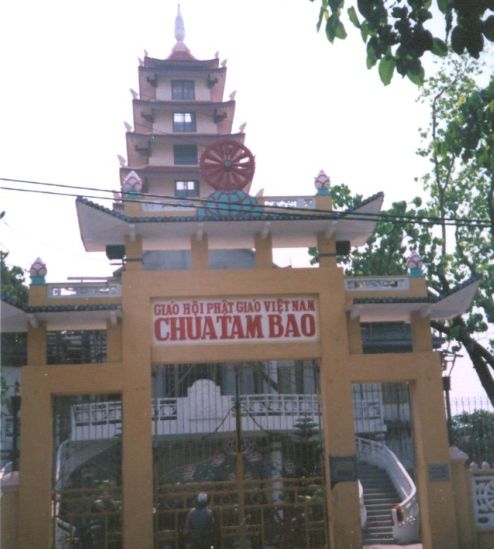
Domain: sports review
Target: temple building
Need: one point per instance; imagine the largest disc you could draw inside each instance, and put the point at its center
(308, 405)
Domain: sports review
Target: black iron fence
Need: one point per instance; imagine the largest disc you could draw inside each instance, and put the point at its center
(472, 428)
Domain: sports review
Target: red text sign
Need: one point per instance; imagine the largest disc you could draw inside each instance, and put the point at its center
(229, 320)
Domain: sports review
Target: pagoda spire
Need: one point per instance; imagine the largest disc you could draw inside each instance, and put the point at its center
(180, 50)
(179, 26)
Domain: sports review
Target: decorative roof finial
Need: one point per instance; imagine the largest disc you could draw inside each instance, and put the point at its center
(37, 272)
(322, 182)
(179, 26)
(180, 51)
(415, 264)
(132, 185)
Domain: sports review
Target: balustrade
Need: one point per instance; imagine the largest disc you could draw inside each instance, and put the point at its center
(192, 414)
(172, 204)
(377, 284)
(483, 497)
(179, 415)
(70, 290)
(405, 525)
(302, 202)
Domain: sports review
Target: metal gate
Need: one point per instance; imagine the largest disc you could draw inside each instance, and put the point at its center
(249, 436)
(87, 483)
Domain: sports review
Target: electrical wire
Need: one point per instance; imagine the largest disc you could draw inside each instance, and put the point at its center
(270, 208)
(277, 211)
(267, 209)
(262, 206)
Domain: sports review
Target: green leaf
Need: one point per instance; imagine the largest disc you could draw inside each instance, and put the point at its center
(444, 5)
(331, 26)
(439, 47)
(458, 40)
(386, 69)
(371, 56)
(335, 28)
(340, 31)
(323, 14)
(364, 31)
(488, 28)
(335, 4)
(352, 14)
(416, 74)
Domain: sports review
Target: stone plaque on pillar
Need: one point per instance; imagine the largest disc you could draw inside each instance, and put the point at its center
(438, 471)
(343, 469)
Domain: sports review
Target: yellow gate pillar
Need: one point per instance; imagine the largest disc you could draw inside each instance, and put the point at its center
(434, 482)
(137, 470)
(337, 408)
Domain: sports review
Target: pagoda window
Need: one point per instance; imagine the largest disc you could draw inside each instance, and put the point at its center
(185, 154)
(186, 188)
(184, 121)
(183, 89)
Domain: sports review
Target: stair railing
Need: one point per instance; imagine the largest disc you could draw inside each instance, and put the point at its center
(363, 509)
(405, 514)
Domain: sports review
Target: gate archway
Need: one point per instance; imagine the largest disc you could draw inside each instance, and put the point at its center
(235, 432)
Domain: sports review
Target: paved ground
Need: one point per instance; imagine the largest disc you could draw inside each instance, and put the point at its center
(379, 546)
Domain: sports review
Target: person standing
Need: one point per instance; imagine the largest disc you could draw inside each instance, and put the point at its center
(199, 525)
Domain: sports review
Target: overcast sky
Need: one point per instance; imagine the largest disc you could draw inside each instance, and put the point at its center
(67, 68)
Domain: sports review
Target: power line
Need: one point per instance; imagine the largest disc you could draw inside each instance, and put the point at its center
(283, 209)
(278, 210)
(175, 201)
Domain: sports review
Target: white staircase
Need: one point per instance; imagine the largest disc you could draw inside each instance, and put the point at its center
(405, 511)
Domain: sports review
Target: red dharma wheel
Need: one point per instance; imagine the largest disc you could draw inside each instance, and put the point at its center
(227, 165)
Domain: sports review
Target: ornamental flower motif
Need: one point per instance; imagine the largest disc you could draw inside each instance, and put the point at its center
(322, 182)
(414, 261)
(132, 183)
(38, 269)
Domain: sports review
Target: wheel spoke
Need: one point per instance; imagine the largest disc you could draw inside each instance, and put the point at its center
(214, 155)
(215, 170)
(227, 165)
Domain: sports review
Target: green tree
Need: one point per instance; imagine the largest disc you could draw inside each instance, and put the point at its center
(12, 345)
(459, 187)
(12, 282)
(474, 434)
(308, 443)
(397, 33)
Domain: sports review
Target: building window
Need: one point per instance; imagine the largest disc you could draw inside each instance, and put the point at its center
(185, 154)
(184, 189)
(76, 347)
(395, 393)
(183, 89)
(386, 337)
(184, 121)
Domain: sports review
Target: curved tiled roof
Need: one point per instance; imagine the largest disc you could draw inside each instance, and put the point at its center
(73, 308)
(268, 215)
(375, 300)
(442, 307)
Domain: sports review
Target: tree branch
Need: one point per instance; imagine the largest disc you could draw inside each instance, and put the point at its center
(482, 360)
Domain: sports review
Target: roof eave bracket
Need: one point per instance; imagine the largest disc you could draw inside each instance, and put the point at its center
(33, 321)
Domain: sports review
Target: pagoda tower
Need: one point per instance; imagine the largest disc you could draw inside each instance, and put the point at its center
(178, 112)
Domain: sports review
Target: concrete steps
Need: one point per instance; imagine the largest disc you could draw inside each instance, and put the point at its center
(379, 497)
